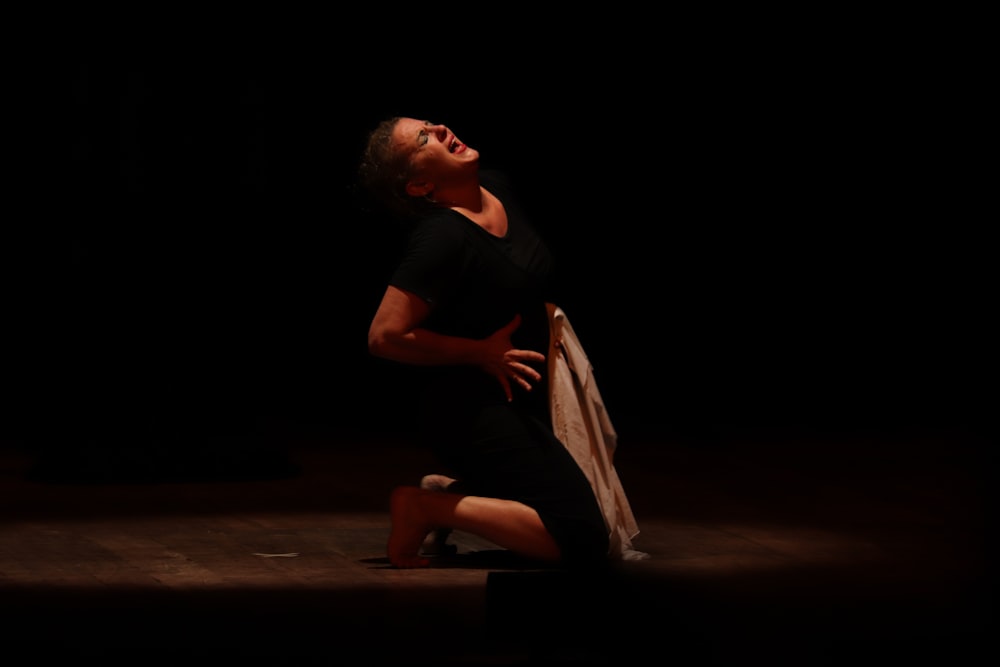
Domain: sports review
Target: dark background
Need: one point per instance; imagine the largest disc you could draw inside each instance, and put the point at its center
(760, 236)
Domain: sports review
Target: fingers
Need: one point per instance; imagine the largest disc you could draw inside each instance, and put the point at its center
(506, 382)
(508, 392)
(515, 365)
(520, 372)
(525, 375)
(524, 357)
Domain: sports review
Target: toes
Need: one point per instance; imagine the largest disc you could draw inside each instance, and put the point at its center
(435, 482)
(410, 562)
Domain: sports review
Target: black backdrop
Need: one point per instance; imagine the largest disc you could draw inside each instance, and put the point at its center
(754, 239)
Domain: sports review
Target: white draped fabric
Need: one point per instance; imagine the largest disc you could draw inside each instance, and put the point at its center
(582, 423)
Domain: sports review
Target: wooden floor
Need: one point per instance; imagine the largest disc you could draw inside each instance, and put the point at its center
(793, 549)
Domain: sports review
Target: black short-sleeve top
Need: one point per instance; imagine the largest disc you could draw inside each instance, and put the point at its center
(476, 282)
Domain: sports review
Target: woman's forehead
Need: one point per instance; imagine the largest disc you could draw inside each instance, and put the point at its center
(408, 130)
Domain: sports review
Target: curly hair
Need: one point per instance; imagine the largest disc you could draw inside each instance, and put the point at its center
(384, 171)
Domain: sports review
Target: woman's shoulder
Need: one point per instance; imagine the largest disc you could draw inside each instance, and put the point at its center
(441, 225)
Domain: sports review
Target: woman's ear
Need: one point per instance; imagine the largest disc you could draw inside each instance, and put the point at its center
(416, 188)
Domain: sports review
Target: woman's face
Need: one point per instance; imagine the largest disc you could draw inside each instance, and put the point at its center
(435, 153)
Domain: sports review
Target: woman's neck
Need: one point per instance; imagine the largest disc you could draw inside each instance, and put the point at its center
(468, 196)
(487, 211)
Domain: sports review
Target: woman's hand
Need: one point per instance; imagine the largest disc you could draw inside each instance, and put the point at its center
(508, 364)
(395, 333)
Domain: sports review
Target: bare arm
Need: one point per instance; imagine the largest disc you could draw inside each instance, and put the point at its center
(395, 333)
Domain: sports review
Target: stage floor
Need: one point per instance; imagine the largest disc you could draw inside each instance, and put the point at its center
(798, 549)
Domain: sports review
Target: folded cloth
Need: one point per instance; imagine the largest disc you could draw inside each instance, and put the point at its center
(583, 425)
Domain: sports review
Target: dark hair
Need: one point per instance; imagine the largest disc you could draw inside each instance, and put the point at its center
(383, 172)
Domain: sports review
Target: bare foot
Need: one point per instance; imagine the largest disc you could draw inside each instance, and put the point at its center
(436, 543)
(409, 528)
(436, 482)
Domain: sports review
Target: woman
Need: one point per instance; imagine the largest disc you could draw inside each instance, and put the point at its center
(467, 304)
